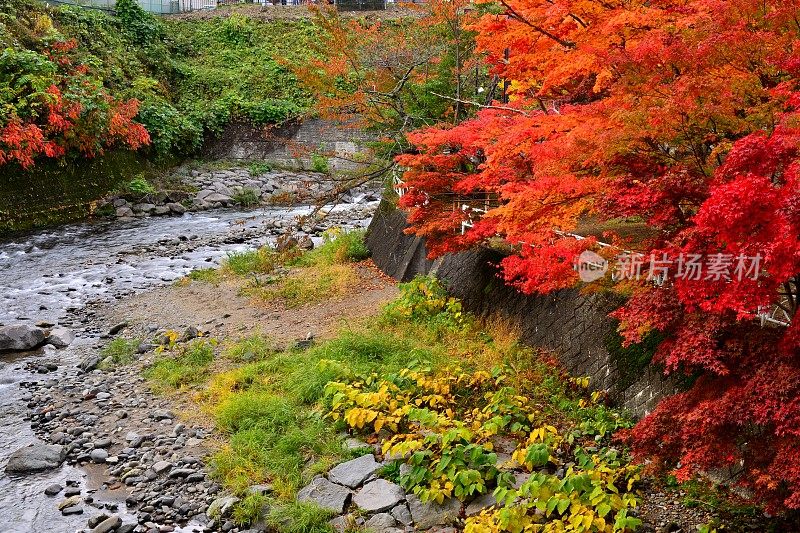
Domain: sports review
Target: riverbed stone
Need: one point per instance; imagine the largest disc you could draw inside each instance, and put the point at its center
(18, 337)
(353, 473)
(98, 455)
(430, 514)
(221, 507)
(53, 489)
(36, 458)
(325, 494)
(217, 197)
(109, 524)
(124, 211)
(379, 495)
(89, 363)
(176, 208)
(60, 337)
(69, 502)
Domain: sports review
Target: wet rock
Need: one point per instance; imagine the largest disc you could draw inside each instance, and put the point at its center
(109, 524)
(124, 211)
(60, 337)
(379, 495)
(53, 489)
(36, 458)
(69, 502)
(18, 337)
(75, 509)
(93, 521)
(353, 473)
(176, 208)
(89, 363)
(326, 495)
(430, 514)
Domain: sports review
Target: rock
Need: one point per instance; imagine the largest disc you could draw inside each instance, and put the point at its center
(89, 362)
(36, 458)
(217, 197)
(75, 509)
(93, 521)
(189, 333)
(161, 210)
(480, 503)
(161, 466)
(221, 507)
(261, 490)
(430, 514)
(176, 208)
(354, 444)
(144, 208)
(117, 328)
(19, 337)
(353, 473)
(124, 211)
(203, 194)
(326, 495)
(53, 489)
(379, 495)
(60, 337)
(305, 243)
(109, 524)
(69, 502)
(98, 455)
(380, 522)
(402, 514)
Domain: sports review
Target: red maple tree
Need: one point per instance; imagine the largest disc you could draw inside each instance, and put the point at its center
(681, 115)
(74, 114)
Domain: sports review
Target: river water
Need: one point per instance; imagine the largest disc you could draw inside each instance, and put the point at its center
(53, 274)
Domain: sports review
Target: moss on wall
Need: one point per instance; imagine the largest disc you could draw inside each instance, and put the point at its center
(631, 361)
(53, 193)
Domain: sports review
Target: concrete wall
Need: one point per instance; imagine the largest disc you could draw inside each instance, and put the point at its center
(291, 145)
(573, 325)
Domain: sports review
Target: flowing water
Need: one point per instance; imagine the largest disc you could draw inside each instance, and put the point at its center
(52, 274)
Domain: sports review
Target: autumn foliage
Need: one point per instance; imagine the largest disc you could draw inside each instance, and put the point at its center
(59, 108)
(684, 116)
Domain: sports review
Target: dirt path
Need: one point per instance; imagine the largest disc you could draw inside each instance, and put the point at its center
(220, 309)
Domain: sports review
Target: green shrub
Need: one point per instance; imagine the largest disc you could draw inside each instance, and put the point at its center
(139, 185)
(262, 260)
(257, 168)
(319, 163)
(424, 300)
(338, 247)
(246, 197)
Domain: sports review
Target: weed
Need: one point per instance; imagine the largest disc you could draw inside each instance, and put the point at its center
(249, 349)
(296, 517)
(246, 197)
(257, 168)
(121, 351)
(249, 509)
(205, 275)
(307, 285)
(262, 261)
(319, 163)
(188, 366)
(338, 247)
(139, 185)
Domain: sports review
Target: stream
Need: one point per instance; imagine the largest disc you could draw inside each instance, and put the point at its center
(52, 275)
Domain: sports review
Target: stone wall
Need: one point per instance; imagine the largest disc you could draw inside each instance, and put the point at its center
(573, 325)
(290, 146)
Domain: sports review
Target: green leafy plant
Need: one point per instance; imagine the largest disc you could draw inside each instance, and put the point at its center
(246, 197)
(319, 163)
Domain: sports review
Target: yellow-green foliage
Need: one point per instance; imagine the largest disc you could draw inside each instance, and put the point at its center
(444, 425)
(121, 352)
(179, 365)
(425, 301)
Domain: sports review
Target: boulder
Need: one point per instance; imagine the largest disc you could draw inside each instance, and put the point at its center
(60, 337)
(144, 208)
(18, 337)
(326, 495)
(98, 455)
(36, 458)
(124, 211)
(429, 514)
(379, 495)
(161, 210)
(402, 514)
(217, 197)
(353, 473)
(176, 208)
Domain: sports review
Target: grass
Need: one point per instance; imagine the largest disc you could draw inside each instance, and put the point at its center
(190, 365)
(249, 349)
(121, 351)
(206, 275)
(246, 197)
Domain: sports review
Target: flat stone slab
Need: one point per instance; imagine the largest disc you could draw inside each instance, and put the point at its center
(36, 458)
(60, 337)
(431, 514)
(353, 473)
(379, 495)
(326, 495)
